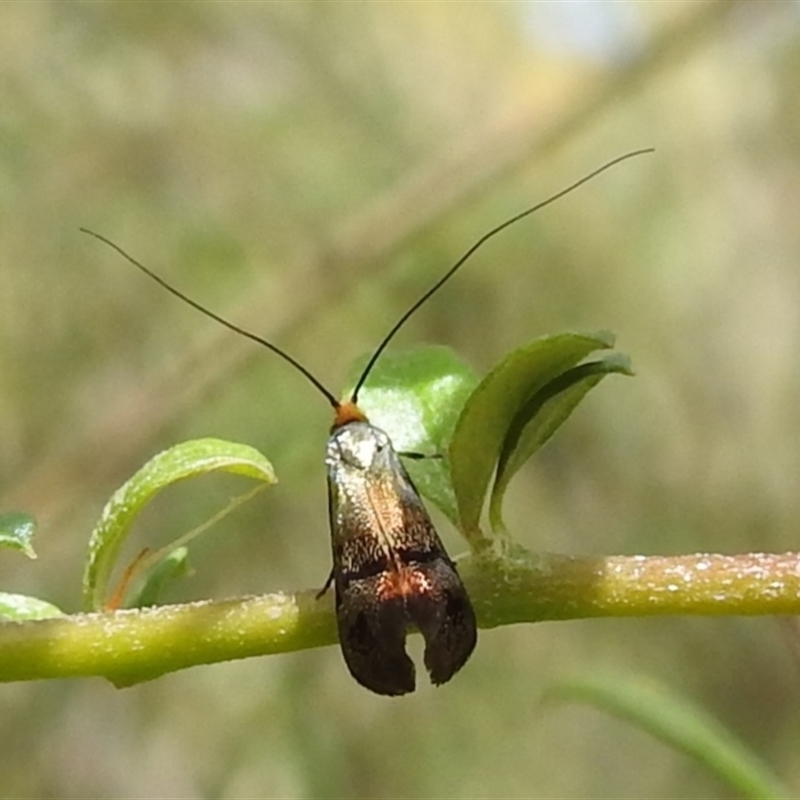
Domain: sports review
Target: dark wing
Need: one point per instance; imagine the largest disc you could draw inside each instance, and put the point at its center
(391, 570)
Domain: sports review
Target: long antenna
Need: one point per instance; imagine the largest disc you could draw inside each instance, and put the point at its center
(329, 396)
(158, 279)
(485, 238)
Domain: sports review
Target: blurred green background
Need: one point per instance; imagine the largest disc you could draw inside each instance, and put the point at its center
(307, 170)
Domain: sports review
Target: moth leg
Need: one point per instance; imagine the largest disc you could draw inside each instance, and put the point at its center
(420, 456)
(327, 586)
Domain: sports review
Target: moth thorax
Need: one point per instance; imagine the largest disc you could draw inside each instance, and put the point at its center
(357, 445)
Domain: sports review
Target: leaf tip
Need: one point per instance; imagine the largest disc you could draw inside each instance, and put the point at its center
(605, 338)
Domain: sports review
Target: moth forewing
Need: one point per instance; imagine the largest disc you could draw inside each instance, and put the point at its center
(390, 568)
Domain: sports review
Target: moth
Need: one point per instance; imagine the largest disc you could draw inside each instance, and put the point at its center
(391, 572)
(390, 569)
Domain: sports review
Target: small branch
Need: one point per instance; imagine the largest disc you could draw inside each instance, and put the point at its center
(135, 645)
(131, 646)
(533, 588)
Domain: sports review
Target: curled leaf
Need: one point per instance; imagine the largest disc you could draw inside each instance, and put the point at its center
(490, 411)
(186, 460)
(541, 416)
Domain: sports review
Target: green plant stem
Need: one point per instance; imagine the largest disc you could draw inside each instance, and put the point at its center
(135, 645)
(131, 646)
(529, 587)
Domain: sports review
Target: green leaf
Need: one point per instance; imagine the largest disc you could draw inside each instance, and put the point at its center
(541, 416)
(173, 566)
(16, 532)
(416, 397)
(185, 460)
(21, 608)
(490, 411)
(680, 724)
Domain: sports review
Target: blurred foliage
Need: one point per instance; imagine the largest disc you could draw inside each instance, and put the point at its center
(691, 731)
(308, 169)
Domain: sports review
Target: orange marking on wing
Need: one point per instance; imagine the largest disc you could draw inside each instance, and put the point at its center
(402, 581)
